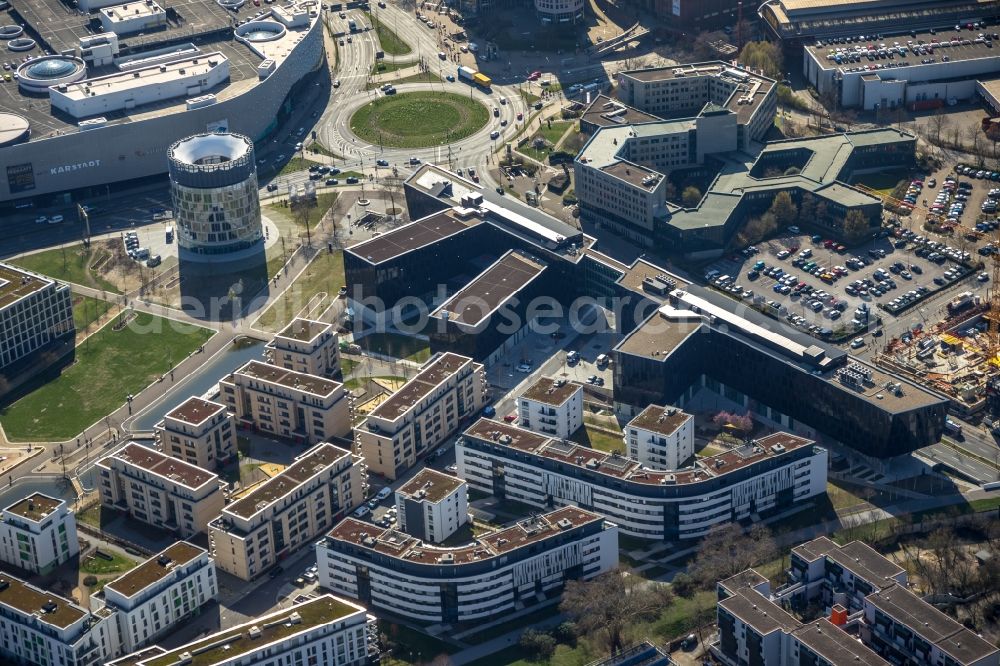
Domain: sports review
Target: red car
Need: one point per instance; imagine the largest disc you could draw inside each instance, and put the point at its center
(510, 418)
(534, 76)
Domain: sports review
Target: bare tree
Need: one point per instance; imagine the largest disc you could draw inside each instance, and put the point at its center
(611, 603)
(727, 550)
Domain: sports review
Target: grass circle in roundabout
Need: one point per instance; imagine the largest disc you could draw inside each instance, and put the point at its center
(419, 119)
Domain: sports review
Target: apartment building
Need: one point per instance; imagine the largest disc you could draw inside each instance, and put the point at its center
(41, 627)
(159, 490)
(280, 515)
(867, 615)
(323, 630)
(551, 407)
(38, 534)
(306, 346)
(294, 405)
(421, 414)
(520, 565)
(432, 505)
(160, 593)
(35, 311)
(770, 474)
(199, 432)
(661, 437)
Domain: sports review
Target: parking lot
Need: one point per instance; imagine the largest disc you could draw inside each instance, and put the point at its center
(830, 291)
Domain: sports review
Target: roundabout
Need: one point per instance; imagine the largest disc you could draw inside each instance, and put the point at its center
(419, 119)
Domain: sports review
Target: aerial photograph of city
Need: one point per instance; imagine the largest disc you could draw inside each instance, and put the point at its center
(500, 333)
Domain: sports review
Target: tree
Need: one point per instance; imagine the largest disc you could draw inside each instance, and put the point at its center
(683, 585)
(938, 121)
(611, 603)
(784, 209)
(691, 196)
(727, 551)
(807, 208)
(566, 632)
(757, 229)
(764, 56)
(855, 225)
(538, 644)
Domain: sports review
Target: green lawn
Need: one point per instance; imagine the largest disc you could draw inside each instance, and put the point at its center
(551, 134)
(87, 310)
(845, 495)
(98, 565)
(389, 41)
(324, 200)
(422, 77)
(111, 366)
(324, 275)
(419, 119)
(594, 438)
(383, 67)
(297, 164)
(71, 264)
(529, 97)
(396, 345)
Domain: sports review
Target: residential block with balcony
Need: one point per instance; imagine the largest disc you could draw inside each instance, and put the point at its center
(551, 407)
(199, 432)
(661, 437)
(294, 405)
(159, 490)
(287, 511)
(423, 413)
(432, 505)
(38, 534)
(306, 346)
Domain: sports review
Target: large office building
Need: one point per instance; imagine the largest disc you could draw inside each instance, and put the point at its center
(769, 474)
(495, 574)
(294, 405)
(119, 104)
(36, 314)
(159, 490)
(432, 505)
(280, 515)
(559, 12)
(660, 437)
(306, 346)
(321, 630)
(552, 407)
(41, 627)
(873, 617)
(199, 432)
(38, 534)
(213, 184)
(622, 173)
(159, 594)
(797, 22)
(699, 343)
(421, 414)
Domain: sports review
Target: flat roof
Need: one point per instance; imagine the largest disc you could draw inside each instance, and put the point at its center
(145, 77)
(551, 391)
(305, 467)
(417, 234)
(231, 643)
(195, 410)
(605, 111)
(434, 373)
(526, 532)
(431, 485)
(662, 420)
(634, 174)
(16, 283)
(304, 330)
(759, 613)
(811, 551)
(956, 45)
(806, 17)
(48, 607)
(131, 10)
(907, 608)
(748, 578)
(492, 288)
(829, 641)
(59, 28)
(137, 657)
(177, 471)
(500, 433)
(36, 507)
(156, 568)
(299, 381)
(866, 562)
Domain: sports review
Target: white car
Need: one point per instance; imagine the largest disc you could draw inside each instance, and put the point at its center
(55, 219)
(41, 219)
(857, 343)
(361, 511)
(984, 277)
(494, 135)
(525, 368)
(382, 494)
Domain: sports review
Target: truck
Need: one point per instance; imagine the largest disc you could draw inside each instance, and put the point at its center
(961, 302)
(467, 74)
(482, 80)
